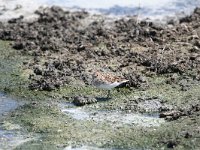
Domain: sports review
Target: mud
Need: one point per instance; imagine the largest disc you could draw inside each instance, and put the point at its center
(65, 48)
(175, 114)
(83, 100)
(152, 104)
(161, 61)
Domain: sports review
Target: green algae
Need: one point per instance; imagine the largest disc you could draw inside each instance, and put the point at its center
(42, 115)
(11, 74)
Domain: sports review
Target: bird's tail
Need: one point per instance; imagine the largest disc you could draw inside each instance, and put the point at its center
(124, 81)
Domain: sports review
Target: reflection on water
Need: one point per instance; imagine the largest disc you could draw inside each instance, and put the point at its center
(145, 8)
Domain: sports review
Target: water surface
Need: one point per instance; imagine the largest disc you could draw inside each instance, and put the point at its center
(118, 118)
(10, 134)
(154, 9)
(7, 104)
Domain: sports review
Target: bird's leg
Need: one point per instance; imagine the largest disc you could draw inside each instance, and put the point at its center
(108, 95)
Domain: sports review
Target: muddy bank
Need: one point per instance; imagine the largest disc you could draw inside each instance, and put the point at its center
(61, 48)
(67, 45)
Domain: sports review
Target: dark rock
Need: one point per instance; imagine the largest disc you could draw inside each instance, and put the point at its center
(48, 87)
(137, 80)
(38, 70)
(187, 135)
(197, 11)
(16, 20)
(19, 45)
(172, 144)
(171, 115)
(83, 100)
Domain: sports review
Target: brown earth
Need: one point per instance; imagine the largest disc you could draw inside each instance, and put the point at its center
(67, 45)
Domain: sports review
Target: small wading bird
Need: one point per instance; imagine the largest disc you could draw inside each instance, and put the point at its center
(106, 81)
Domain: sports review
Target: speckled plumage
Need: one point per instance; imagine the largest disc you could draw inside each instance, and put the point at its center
(106, 81)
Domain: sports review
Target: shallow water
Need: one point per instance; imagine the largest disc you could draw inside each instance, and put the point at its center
(82, 148)
(11, 137)
(113, 117)
(7, 104)
(88, 148)
(154, 9)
